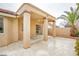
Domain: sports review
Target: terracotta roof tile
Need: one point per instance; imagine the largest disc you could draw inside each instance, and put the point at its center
(7, 11)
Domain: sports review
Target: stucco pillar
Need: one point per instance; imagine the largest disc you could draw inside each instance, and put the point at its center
(45, 29)
(26, 30)
(54, 29)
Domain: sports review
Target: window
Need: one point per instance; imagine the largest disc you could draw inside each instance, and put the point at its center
(38, 29)
(1, 24)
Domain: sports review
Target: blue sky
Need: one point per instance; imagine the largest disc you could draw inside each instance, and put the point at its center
(55, 9)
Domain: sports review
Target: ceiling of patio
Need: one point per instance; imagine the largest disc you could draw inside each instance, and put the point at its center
(36, 16)
(39, 17)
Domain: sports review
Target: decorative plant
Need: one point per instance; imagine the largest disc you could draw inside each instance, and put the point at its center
(71, 16)
(77, 33)
(77, 47)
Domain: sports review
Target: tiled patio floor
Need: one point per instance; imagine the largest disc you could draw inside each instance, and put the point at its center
(61, 46)
(54, 47)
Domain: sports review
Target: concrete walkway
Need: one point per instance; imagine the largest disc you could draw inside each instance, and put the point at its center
(54, 47)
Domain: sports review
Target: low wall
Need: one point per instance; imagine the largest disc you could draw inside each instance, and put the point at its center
(3, 39)
(50, 32)
(61, 32)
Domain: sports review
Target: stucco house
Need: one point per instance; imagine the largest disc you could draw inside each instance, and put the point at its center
(29, 21)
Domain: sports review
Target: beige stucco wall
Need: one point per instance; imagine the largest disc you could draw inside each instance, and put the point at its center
(50, 32)
(10, 31)
(35, 22)
(61, 32)
(33, 28)
(20, 28)
(4, 36)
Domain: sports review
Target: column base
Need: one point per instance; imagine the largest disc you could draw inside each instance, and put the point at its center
(45, 39)
(26, 45)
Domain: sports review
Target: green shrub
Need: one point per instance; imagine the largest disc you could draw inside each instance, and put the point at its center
(77, 33)
(77, 47)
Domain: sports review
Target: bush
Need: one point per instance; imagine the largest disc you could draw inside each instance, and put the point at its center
(77, 47)
(77, 34)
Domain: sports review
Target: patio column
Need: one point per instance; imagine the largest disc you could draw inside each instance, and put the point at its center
(26, 30)
(54, 29)
(45, 29)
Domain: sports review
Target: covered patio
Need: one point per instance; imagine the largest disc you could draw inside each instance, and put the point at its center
(33, 22)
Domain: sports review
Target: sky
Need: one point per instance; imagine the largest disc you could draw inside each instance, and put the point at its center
(54, 9)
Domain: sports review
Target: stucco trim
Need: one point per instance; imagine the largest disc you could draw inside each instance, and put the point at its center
(25, 12)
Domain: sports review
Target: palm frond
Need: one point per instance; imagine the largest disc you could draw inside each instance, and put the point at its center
(71, 16)
(71, 9)
(77, 18)
(77, 6)
(68, 13)
(62, 17)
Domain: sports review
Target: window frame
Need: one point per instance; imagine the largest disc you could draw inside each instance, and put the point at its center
(2, 24)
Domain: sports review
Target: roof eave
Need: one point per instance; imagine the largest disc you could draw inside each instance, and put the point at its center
(8, 15)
